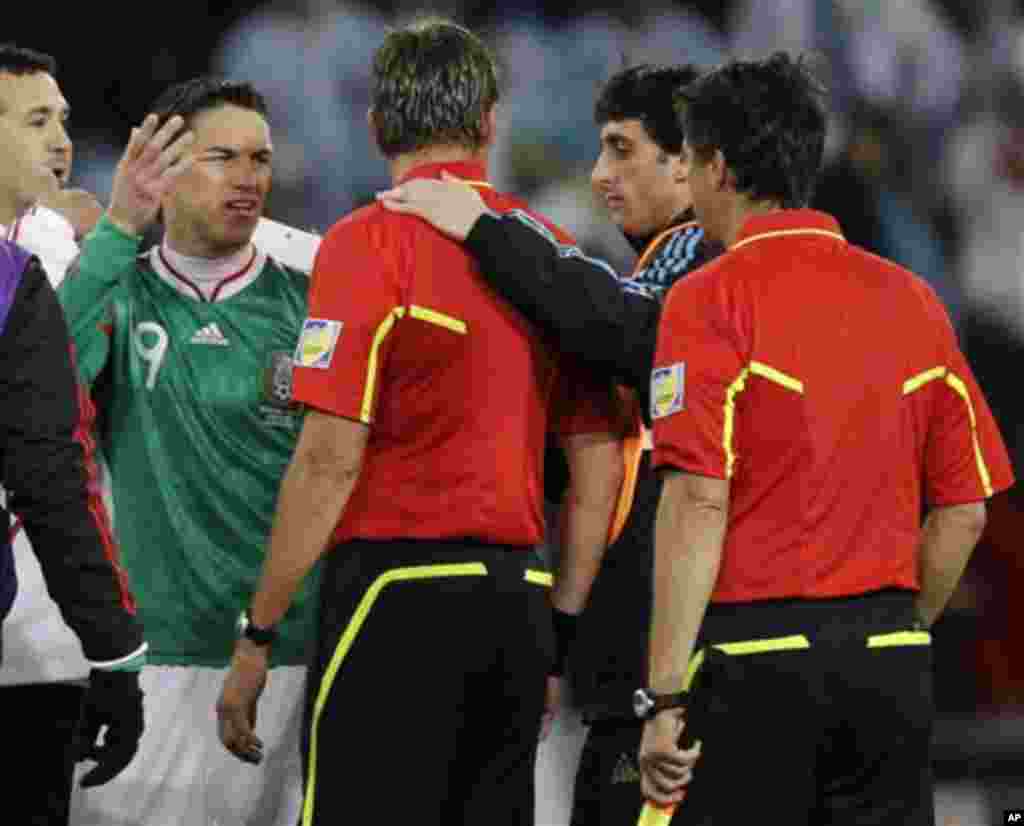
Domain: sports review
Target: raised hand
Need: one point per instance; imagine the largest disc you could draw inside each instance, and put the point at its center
(152, 161)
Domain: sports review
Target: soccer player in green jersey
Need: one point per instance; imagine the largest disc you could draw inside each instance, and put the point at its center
(188, 349)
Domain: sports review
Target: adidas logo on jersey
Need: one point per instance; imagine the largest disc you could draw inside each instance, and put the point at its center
(210, 334)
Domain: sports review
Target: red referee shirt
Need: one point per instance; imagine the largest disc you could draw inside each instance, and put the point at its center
(459, 391)
(827, 385)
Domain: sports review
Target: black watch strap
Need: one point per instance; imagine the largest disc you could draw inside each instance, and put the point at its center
(646, 704)
(255, 633)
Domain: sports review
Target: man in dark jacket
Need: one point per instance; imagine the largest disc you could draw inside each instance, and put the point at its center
(46, 466)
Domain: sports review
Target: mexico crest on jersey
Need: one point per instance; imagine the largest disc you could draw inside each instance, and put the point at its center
(668, 390)
(277, 380)
(277, 407)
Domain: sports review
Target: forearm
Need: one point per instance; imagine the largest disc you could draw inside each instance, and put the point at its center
(595, 480)
(688, 539)
(577, 300)
(948, 537)
(312, 498)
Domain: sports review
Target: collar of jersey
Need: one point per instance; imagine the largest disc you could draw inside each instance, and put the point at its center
(470, 171)
(787, 222)
(228, 288)
(645, 243)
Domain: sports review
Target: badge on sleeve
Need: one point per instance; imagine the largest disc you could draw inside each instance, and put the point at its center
(317, 342)
(668, 390)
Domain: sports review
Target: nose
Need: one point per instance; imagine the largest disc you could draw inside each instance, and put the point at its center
(601, 175)
(249, 175)
(61, 141)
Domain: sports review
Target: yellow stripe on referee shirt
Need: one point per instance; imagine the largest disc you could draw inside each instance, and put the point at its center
(765, 371)
(440, 319)
(729, 422)
(383, 329)
(959, 387)
(371, 368)
(348, 637)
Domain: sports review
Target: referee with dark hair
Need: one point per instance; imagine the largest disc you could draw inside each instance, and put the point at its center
(799, 445)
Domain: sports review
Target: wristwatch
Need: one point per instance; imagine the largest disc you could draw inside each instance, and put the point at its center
(646, 704)
(255, 633)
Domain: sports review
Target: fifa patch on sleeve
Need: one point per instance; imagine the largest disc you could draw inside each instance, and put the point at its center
(668, 390)
(317, 341)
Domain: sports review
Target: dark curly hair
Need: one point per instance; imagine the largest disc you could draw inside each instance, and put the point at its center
(645, 92)
(768, 119)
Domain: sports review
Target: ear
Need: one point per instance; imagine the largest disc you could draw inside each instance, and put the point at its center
(721, 175)
(371, 124)
(489, 125)
(679, 168)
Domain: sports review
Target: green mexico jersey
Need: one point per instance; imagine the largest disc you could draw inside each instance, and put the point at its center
(197, 426)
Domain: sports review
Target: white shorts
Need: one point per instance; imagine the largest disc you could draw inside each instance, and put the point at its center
(182, 773)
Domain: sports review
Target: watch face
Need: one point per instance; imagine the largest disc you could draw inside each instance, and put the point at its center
(642, 703)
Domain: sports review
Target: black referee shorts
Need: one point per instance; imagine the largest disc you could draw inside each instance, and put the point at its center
(427, 689)
(811, 712)
(607, 789)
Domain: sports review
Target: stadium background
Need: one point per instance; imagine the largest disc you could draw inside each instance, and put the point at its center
(925, 166)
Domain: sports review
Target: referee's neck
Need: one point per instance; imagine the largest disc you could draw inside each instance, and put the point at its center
(402, 165)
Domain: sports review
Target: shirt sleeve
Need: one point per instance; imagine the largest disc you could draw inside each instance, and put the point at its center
(965, 458)
(46, 469)
(583, 403)
(609, 324)
(698, 371)
(87, 292)
(354, 305)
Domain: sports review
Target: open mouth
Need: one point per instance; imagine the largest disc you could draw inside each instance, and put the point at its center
(243, 207)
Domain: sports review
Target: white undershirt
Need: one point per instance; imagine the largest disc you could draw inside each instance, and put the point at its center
(208, 273)
(207, 279)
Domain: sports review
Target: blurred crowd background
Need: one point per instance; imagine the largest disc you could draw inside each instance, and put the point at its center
(925, 165)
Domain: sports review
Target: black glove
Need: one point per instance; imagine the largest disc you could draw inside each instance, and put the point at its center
(114, 700)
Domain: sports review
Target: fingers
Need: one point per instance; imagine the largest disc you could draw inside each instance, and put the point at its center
(140, 137)
(111, 759)
(120, 744)
(173, 161)
(547, 722)
(151, 151)
(662, 798)
(84, 746)
(236, 733)
(394, 201)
